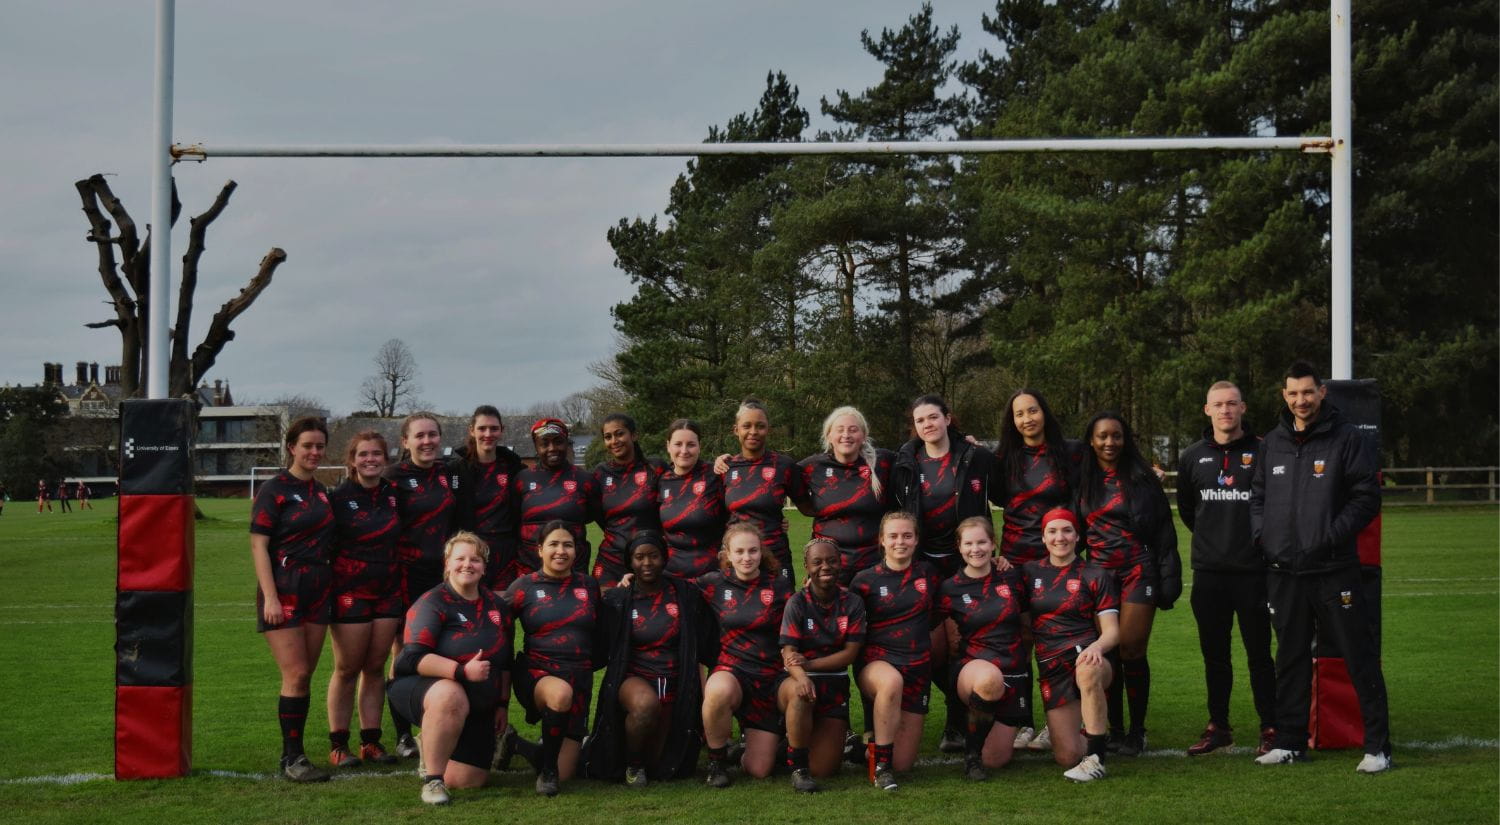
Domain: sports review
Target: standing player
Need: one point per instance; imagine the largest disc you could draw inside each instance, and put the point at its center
(1229, 574)
(1075, 620)
(691, 500)
(4, 497)
(486, 505)
(1316, 487)
(748, 596)
(366, 599)
(426, 497)
(984, 603)
(821, 633)
(554, 490)
(557, 608)
(64, 496)
(942, 479)
(291, 537)
(1129, 534)
(895, 666)
(83, 496)
(847, 489)
(626, 480)
(758, 482)
(41, 496)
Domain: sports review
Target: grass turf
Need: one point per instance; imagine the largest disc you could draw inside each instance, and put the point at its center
(1441, 652)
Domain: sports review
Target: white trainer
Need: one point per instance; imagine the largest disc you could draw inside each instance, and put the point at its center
(434, 792)
(1374, 763)
(1088, 770)
(1024, 737)
(1280, 756)
(1042, 741)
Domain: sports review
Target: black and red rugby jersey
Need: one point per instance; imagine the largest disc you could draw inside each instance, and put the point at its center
(899, 612)
(428, 500)
(628, 502)
(749, 615)
(846, 510)
(368, 522)
(494, 509)
(756, 490)
(1064, 601)
(817, 630)
(1043, 485)
(1111, 543)
(298, 518)
(938, 481)
(559, 617)
(987, 612)
(441, 621)
(655, 623)
(569, 494)
(692, 520)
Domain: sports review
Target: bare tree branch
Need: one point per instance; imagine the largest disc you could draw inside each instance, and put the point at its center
(197, 242)
(219, 332)
(394, 380)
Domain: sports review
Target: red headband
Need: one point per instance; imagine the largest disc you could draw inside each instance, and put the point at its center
(1060, 513)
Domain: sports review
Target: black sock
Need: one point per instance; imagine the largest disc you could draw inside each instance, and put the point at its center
(796, 758)
(369, 736)
(634, 759)
(718, 754)
(554, 723)
(1096, 744)
(883, 754)
(292, 711)
(399, 722)
(431, 776)
(957, 712)
(530, 751)
(1137, 690)
(339, 739)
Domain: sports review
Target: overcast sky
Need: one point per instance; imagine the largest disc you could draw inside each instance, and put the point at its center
(495, 271)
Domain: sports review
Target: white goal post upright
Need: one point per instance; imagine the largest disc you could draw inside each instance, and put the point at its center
(1339, 147)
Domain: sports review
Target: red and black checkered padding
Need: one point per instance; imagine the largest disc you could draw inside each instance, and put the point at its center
(154, 591)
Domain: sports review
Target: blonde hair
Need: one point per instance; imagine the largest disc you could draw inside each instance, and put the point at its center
(982, 522)
(465, 537)
(768, 561)
(866, 450)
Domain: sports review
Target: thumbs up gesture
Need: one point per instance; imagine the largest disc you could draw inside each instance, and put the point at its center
(477, 669)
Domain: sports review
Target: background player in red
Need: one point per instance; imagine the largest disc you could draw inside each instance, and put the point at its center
(291, 537)
(367, 605)
(64, 496)
(486, 504)
(83, 496)
(427, 500)
(554, 489)
(747, 595)
(895, 666)
(451, 675)
(942, 478)
(649, 721)
(758, 481)
(984, 607)
(1129, 532)
(846, 489)
(626, 481)
(690, 498)
(1075, 620)
(557, 608)
(41, 496)
(822, 630)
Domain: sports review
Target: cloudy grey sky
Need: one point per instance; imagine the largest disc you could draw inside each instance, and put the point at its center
(495, 271)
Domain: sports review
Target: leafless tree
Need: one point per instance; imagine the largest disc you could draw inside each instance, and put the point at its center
(128, 282)
(394, 385)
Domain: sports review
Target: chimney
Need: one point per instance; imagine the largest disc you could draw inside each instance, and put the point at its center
(53, 373)
(112, 375)
(218, 393)
(94, 373)
(82, 373)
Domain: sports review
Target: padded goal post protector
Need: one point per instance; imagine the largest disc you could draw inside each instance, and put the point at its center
(154, 591)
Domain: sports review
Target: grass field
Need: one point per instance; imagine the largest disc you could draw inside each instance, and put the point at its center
(1441, 652)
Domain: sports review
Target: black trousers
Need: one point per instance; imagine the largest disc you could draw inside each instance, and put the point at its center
(1219, 599)
(1331, 606)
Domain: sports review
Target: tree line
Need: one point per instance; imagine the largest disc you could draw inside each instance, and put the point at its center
(1121, 280)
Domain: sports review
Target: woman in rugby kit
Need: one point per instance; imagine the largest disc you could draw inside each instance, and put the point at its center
(894, 669)
(367, 606)
(748, 596)
(690, 498)
(486, 505)
(428, 503)
(291, 537)
(649, 719)
(1074, 611)
(821, 633)
(758, 482)
(1129, 532)
(942, 478)
(557, 608)
(554, 490)
(451, 675)
(985, 604)
(626, 480)
(846, 489)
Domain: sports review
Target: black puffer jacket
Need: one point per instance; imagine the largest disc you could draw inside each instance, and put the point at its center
(1151, 522)
(974, 464)
(1313, 492)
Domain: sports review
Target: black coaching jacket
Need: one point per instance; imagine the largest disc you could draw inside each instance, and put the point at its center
(1213, 500)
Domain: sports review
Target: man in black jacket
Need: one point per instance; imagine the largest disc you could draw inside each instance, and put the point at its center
(1229, 574)
(1315, 488)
